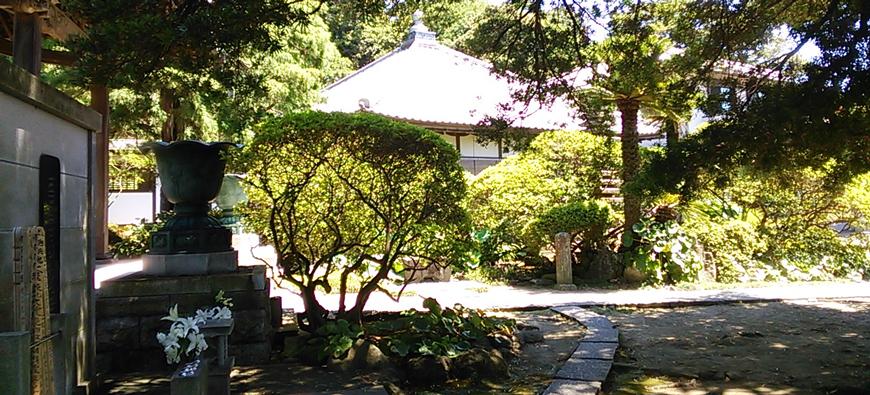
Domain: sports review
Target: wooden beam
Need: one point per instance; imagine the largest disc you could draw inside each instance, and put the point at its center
(100, 103)
(27, 42)
(48, 56)
(59, 25)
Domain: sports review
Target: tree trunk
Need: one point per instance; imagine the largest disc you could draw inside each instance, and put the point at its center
(630, 163)
(672, 133)
(174, 124)
(313, 310)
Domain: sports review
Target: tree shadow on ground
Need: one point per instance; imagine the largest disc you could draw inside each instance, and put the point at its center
(818, 347)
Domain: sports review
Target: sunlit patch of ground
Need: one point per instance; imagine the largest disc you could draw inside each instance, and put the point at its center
(802, 347)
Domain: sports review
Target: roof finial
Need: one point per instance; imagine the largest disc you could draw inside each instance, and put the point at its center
(418, 30)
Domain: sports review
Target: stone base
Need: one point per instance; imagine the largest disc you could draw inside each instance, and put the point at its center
(190, 264)
(129, 312)
(219, 376)
(565, 287)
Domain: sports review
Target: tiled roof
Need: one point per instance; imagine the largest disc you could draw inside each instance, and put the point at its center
(427, 82)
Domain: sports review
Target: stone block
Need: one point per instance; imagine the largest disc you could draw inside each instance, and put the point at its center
(577, 313)
(117, 333)
(584, 369)
(572, 387)
(251, 353)
(249, 300)
(189, 303)
(250, 326)
(219, 377)
(148, 328)
(190, 379)
(132, 306)
(601, 335)
(73, 257)
(190, 264)
(595, 350)
(244, 279)
(15, 363)
(565, 287)
(74, 202)
(19, 207)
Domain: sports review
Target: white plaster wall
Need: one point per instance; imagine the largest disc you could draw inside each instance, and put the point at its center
(470, 148)
(131, 207)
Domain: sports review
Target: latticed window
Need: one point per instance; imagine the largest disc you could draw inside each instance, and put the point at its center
(132, 182)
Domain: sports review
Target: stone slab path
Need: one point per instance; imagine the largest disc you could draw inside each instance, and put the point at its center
(587, 368)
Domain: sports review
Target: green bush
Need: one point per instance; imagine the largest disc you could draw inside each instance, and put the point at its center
(587, 220)
(352, 194)
(665, 254)
(778, 227)
(557, 168)
(127, 241)
(438, 331)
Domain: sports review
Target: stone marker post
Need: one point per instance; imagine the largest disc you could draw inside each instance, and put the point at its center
(564, 277)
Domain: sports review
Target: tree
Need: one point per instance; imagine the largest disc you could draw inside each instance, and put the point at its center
(652, 60)
(345, 195)
(368, 30)
(819, 114)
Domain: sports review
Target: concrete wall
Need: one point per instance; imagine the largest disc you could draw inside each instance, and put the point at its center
(36, 120)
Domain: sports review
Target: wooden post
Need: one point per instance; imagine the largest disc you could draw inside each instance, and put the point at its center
(27, 42)
(100, 103)
(564, 275)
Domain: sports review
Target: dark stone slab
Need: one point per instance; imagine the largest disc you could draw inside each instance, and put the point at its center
(132, 305)
(251, 353)
(248, 278)
(572, 387)
(595, 350)
(584, 369)
(605, 335)
(117, 333)
(148, 328)
(249, 300)
(250, 326)
(577, 313)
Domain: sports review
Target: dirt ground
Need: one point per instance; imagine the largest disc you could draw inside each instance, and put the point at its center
(531, 371)
(812, 347)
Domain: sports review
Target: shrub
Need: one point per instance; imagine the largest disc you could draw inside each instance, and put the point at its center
(438, 331)
(665, 254)
(587, 220)
(134, 240)
(558, 167)
(779, 227)
(352, 194)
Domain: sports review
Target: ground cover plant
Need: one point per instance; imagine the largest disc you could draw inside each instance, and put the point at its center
(352, 193)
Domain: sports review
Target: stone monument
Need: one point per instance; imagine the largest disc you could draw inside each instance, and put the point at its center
(192, 242)
(564, 275)
(190, 261)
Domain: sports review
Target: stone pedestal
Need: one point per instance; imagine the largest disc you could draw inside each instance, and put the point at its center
(190, 264)
(15, 364)
(564, 276)
(129, 311)
(190, 379)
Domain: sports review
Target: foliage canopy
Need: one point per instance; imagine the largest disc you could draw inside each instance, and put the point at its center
(352, 194)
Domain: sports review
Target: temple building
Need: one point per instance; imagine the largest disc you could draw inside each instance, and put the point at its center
(428, 84)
